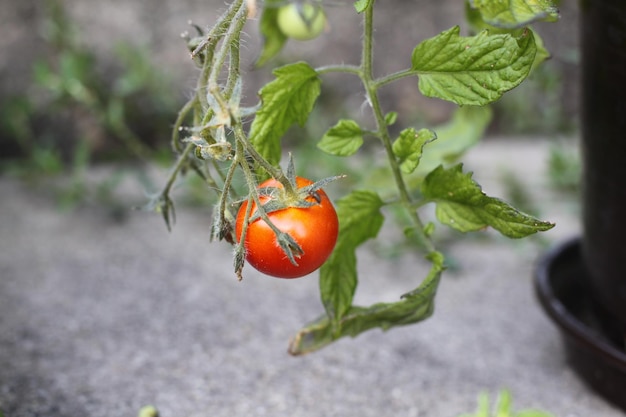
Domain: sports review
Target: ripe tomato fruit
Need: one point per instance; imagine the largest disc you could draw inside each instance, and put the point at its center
(314, 228)
(302, 22)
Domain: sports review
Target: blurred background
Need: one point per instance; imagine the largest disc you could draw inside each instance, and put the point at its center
(84, 81)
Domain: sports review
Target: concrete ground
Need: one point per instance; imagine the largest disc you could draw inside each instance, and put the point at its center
(100, 316)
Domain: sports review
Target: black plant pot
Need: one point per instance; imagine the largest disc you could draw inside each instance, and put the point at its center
(582, 284)
(604, 150)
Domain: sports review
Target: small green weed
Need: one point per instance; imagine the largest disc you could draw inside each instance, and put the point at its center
(503, 408)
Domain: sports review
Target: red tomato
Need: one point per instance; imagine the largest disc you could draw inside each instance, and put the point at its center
(314, 228)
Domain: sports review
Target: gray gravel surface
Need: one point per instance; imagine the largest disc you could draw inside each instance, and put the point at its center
(100, 316)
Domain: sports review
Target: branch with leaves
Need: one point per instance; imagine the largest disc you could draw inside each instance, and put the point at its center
(471, 71)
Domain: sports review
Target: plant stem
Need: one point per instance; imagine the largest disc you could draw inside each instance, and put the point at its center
(371, 87)
(347, 69)
(224, 197)
(230, 38)
(208, 47)
(274, 172)
(182, 114)
(179, 165)
(388, 79)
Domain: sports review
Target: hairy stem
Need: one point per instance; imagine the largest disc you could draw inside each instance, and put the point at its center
(182, 159)
(347, 69)
(230, 38)
(274, 172)
(388, 79)
(371, 88)
(178, 124)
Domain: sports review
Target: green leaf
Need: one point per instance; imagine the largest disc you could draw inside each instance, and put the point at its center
(475, 19)
(76, 65)
(363, 5)
(343, 139)
(542, 53)
(515, 13)
(359, 220)
(477, 23)
(390, 118)
(504, 408)
(408, 147)
(46, 77)
(462, 205)
(465, 129)
(415, 306)
(273, 38)
(287, 100)
(429, 229)
(533, 413)
(473, 70)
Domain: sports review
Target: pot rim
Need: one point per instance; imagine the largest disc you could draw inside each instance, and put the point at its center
(584, 336)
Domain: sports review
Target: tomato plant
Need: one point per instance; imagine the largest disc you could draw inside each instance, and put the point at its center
(301, 21)
(220, 140)
(313, 226)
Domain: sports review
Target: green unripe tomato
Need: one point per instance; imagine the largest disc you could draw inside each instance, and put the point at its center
(301, 21)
